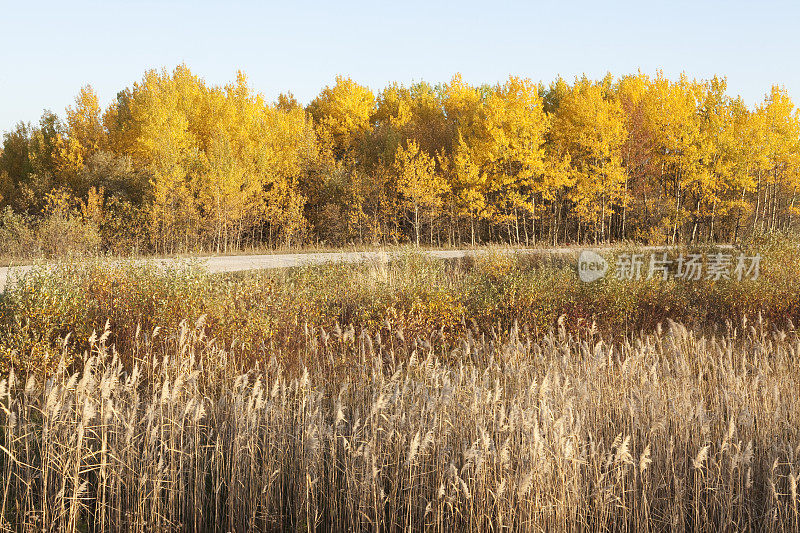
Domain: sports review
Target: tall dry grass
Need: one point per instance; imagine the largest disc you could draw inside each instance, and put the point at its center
(672, 430)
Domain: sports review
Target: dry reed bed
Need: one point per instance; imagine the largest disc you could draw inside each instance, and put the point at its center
(673, 430)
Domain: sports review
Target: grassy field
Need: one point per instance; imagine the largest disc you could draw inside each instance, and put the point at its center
(481, 394)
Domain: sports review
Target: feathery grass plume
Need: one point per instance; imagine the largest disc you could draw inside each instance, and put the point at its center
(539, 429)
(645, 459)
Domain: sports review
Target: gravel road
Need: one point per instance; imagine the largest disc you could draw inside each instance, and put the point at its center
(236, 263)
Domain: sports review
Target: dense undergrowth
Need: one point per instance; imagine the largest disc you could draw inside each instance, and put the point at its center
(265, 312)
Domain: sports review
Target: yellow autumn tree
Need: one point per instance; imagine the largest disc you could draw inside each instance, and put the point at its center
(289, 149)
(515, 125)
(468, 185)
(83, 137)
(256, 156)
(84, 123)
(161, 107)
(420, 187)
(674, 122)
(589, 127)
(342, 114)
(721, 179)
(778, 170)
(462, 104)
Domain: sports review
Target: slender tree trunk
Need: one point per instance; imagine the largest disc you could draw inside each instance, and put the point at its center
(765, 207)
(603, 219)
(695, 220)
(677, 211)
(624, 209)
(525, 227)
(472, 227)
(758, 200)
(713, 215)
(416, 224)
(774, 202)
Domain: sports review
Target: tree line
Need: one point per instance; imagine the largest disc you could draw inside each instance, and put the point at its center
(175, 164)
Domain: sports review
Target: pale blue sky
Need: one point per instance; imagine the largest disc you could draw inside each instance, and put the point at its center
(49, 49)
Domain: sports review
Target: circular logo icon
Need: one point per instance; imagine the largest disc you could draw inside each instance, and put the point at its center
(591, 266)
